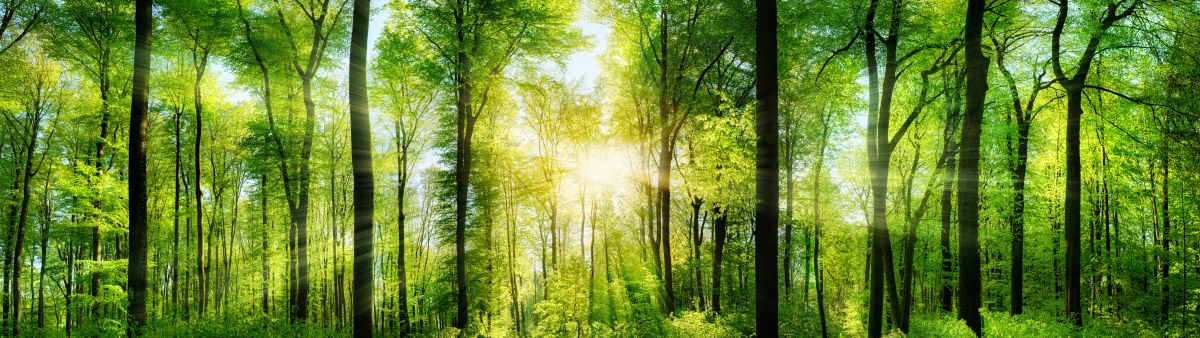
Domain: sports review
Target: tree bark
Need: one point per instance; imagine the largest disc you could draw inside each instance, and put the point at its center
(462, 165)
(766, 187)
(137, 167)
(1073, 86)
(665, 151)
(200, 62)
(720, 231)
(364, 185)
(969, 283)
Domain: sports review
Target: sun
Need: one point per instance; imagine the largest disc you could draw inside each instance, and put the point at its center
(602, 168)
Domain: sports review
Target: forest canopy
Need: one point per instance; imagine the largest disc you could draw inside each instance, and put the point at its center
(624, 168)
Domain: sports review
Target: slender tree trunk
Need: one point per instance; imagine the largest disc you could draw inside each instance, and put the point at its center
(45, 230)
(175, 267)
(818, 171)
(969, 283)
(697, 240)
(788, 222)
(266, 268)
(665, 152)
(200, 62)
(462, 167)
(766, 209)
(1166, 238)
(401, 269)
(22, 221)
(364, 184)
(137, 168)
(720, 231)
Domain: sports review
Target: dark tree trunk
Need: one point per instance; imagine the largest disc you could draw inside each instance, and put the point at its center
(364, 185)
(175, 267)
(1018, 166)
(200, 62)
(1073, 86)
(26, 174)
(665, 153)
(766, 209)
(697, 240)
(818, 172)
(402, 187)
(266, 268)
(45, 230)
(137, 168)
(788, 221)
(720, 231)
(1071, 206)
(969, 283)
(950, 153)
(462, 169)
(1166, 238)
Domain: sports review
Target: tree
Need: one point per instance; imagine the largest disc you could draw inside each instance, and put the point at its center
(969, 284)
(137, 167)
(766, 182)
(324, 18)
(1074, 86)
(404, 87)
(1005, 42)
(203, 28)
(37, 90)
(19, 17)
(91, 34)
(479, 40)
(364, 179)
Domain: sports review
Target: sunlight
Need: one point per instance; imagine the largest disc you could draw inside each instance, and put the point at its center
(603, 169)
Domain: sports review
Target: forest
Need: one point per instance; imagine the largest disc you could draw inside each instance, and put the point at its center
(600, 168)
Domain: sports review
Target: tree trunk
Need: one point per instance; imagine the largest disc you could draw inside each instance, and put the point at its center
(969, 283)
(401, 272)
(137, 168)
(665, 152)
(817, 174)
(1166, 238)
(766, 209)
(364, 184)
(47, 214)
(175, 267)
(266, 268)
(22, 221)
(720, 231)
(200, 62)
(462, 170)
(697, 240)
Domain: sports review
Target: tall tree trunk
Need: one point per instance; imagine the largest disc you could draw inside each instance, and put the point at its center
(1073, 86)
(697, 241)
(720, 231)
(27, 175)
(766, 164)
(200, 62)
(364, 184)
(47, 213)
(1166, 237)
(401, 272)
(266, 268)
(818, 172)
(969, 283)
(137, 168)
(665, 152)
(788, 221)
(175, 215)
(462, 167)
